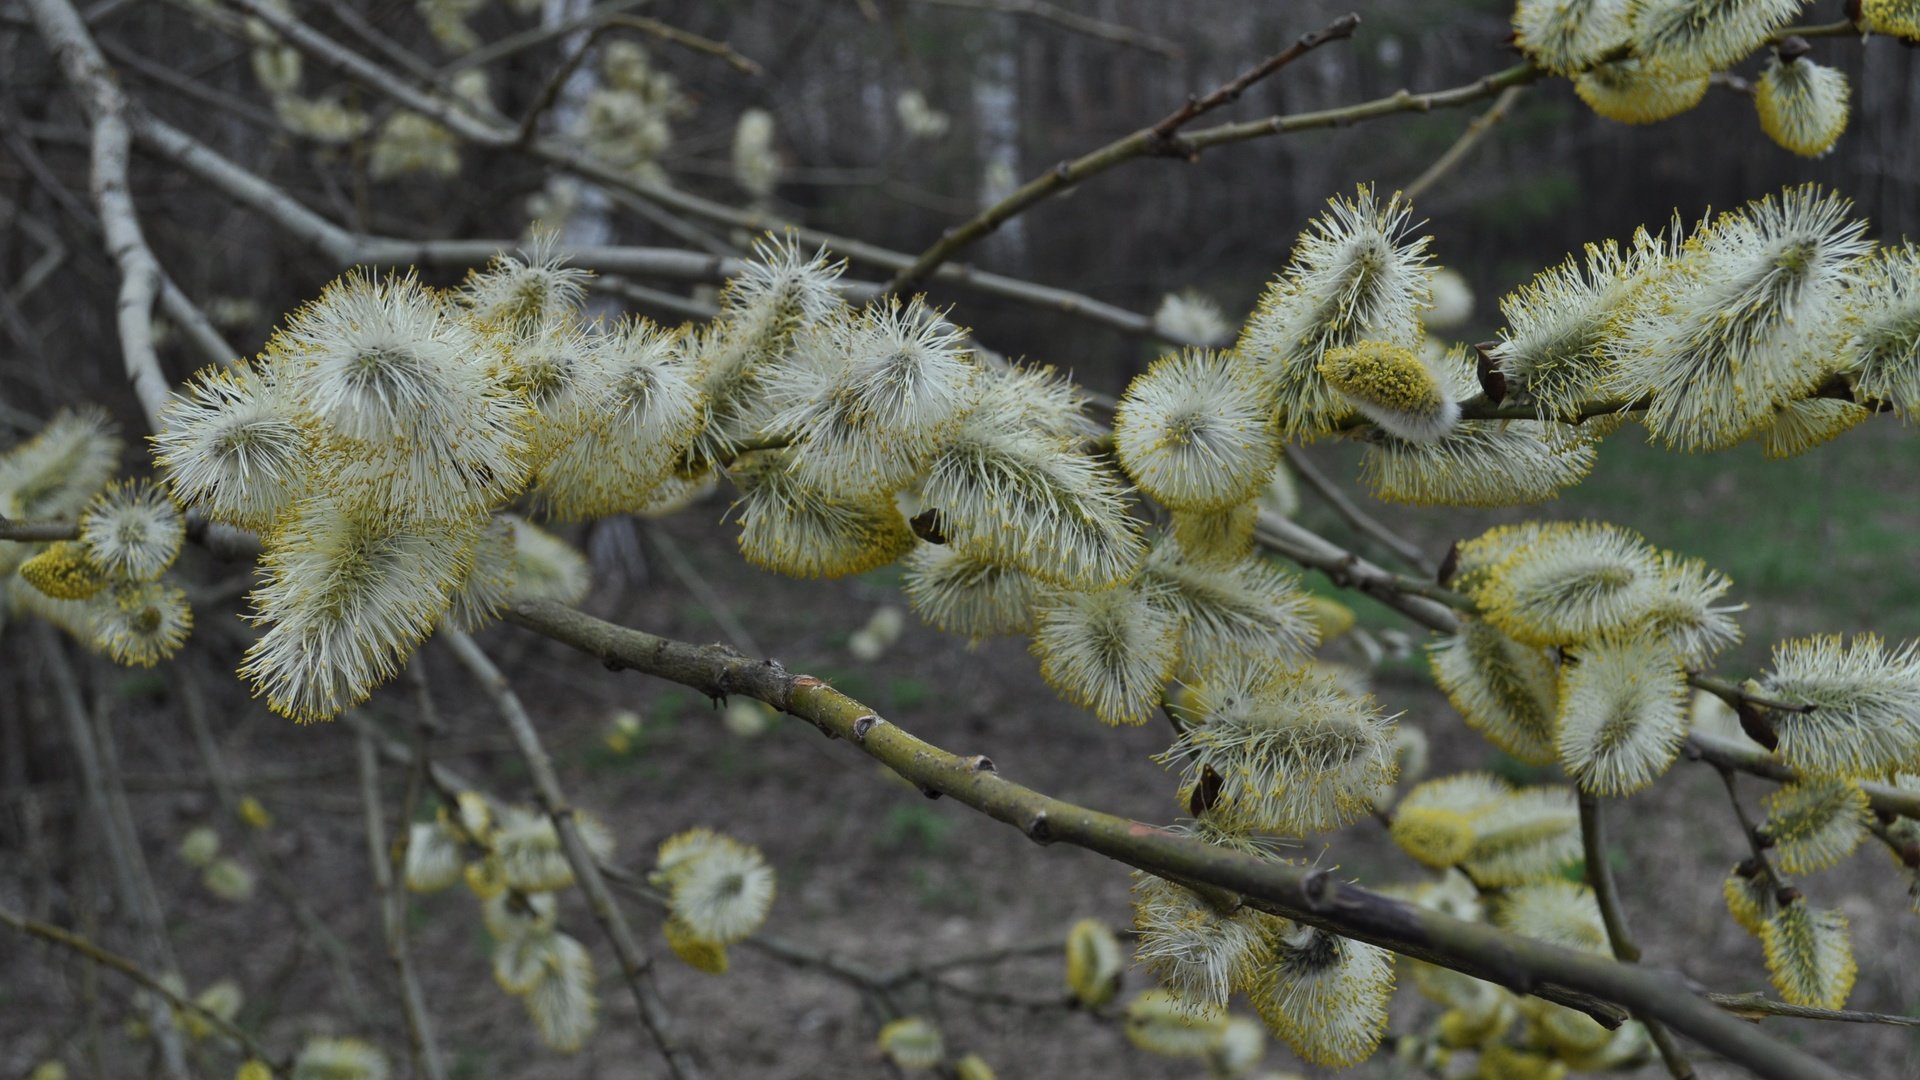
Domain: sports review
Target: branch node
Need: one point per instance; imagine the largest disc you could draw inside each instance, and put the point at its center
(864, 725)
(983, 764)
(1037, 829)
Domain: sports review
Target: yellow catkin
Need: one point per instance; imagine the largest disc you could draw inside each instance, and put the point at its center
(64, 572)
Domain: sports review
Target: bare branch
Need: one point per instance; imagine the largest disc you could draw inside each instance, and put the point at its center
(1158, 139)
(106, 107)
(1072, 21)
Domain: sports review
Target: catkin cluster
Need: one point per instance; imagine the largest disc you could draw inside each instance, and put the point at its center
(108, 588)
(1642, 61)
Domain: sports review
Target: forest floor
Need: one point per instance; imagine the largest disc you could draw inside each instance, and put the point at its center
(872, 872)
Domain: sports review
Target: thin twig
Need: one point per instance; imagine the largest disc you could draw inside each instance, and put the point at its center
(1464, 145)
(392, 904)
(1759, 1006)
(38, 532)
(1157, 139)
(1070, 20)
(1350, 512)
(635, 964)
(677, 36)
(69, 940)
(1593, 844)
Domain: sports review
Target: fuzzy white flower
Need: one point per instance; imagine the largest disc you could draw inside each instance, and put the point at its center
(53, 474)
(721, 889)
(1110, 651)
(756, 168)
(1191, 318)
(961, 594)
(1296, 752)
(1476, 462)
(1802, 105)
(1691, 37)
(1865, 719)
(1198, 951)
(1632, 91)
(1326, 996)
(1247, 609)
(233, 445)
(1354, 276)
(1622, 714)
(1745, 319)
(1566, 36)
(345, 598)
(133, 530)
(1194, 431)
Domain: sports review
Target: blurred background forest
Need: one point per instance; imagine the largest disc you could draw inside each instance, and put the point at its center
(869, 870)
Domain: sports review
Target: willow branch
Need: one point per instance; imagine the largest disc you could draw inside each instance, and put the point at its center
(1350, 512)
(1606, 894)
(75, 943)
(1758, 1007)
(1465, 144)
(1310, 895)
(635, 965)
(1404, 101)
(686, 40)
(392, 907)
(38, 532)
(93, 83)
(1158, 139)
(1072, 21)
(1728, 753)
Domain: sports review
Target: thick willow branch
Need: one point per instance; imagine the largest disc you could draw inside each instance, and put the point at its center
(93, 83)
(1148, 141)
(1310, 895)
(635, 965)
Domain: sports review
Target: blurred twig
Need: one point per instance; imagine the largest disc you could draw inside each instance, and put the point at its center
(1158, 139)
(1593, 845)
(1462, 146)
(1350, 512)
(635, 965)
(1070, 20)
(339, 957)
(392, 904)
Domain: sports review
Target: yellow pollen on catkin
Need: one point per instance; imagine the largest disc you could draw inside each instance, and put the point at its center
(63, 572)
(1898, 18)
(1382, 374)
